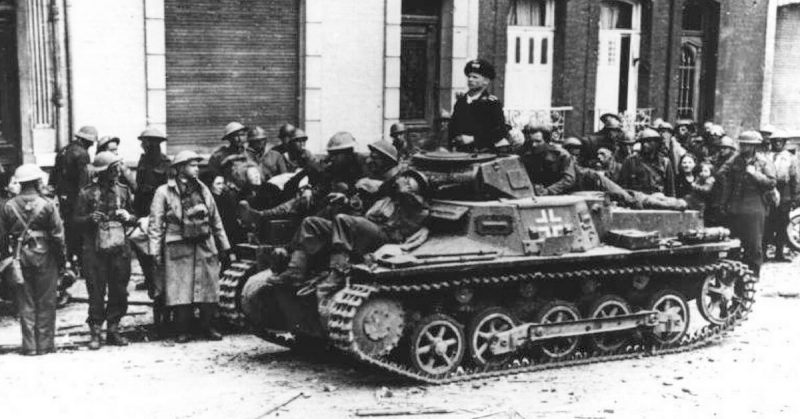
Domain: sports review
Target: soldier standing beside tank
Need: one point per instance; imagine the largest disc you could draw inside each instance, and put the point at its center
(236, 136)
(30, 225)
(648, 171)
(478, 122)
(69, 176)
(789, 191)
(745, 180)
(551, 168)
(186, 234)
(102, 213)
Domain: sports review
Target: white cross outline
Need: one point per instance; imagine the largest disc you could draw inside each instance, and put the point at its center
(553, 226)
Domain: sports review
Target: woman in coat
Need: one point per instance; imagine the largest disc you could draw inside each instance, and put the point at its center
(187, 236)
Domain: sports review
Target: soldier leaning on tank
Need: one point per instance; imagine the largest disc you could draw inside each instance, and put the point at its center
(187, 236)
(744, 182)
(42, 254)
(111, 144)
(102, 213)
(405, 147)
(236, 135)
(477, 122)
(648, 171)
(607, 164)
(789, 190)
(69, 176)
(551, 168)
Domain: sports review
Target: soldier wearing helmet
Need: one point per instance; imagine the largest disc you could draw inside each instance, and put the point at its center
(103, 211)
(111, 144)
(236, 135)
(574, 147)
(69, 175)
(187, 237)
(477, 121)
(405, 147)
(648, 171)
(746, 180)
(606, 137)
(550, 167)
(788, 187)
(623, 147)
(727, 149)
(684, 129)
(671, 148)
(32, 233)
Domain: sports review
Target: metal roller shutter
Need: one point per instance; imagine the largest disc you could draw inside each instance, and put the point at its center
(229, 60)
(785, 83)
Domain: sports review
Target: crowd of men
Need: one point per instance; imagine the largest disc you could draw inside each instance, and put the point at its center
(180, 220)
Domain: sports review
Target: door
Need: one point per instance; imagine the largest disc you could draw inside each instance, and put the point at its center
(419, 69)
(529, 66)
(617, 58)
(9, 86)
(785, 101)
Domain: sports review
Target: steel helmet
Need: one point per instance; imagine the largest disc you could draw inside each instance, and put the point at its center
(385, 149)
(750, 137)
(665, 126)
(299, 134)
(152, 133)
(28, 172)
(625, 139)
(233, 128)
(397, 129)
(572, 142)
(769, 129)
(103, 160)
(286, 130)
(779, 134)
(257, 134)
(684, 123)
(728, 142)
(648, 134)
(716, 130)
(185, 156)
(341, 141)
(88, 133)
(107, 139)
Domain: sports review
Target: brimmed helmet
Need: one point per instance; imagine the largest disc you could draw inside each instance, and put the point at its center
(341, 141)
(750, 137)
(185, 156)
(233, 128)
(88, 133)
(152, 133)
(28, 172)
(385, 149)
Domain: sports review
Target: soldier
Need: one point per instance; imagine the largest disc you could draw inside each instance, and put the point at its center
(684, 130)
(670, 147)
(624, 148)
(186, 235)
(789, 191)
(69, 176)
(574, 147)
(102, 213)
(256, 143)
(725, 152)
(477, 121)
(609, 166)
(30, 225)
(296, 154)
(405, 148)
(607, 137)
(551, 168)
(745, 180)
(236, 135)
(648, 171)
(111, 144)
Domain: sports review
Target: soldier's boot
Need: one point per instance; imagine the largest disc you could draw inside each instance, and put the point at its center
(297, 270)
(94, 340)
(207, 312)
(183, 316)
(114, 337)
(335, 280)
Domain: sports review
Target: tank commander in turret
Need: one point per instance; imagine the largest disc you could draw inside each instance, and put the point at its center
(478, 122)
(550, 167)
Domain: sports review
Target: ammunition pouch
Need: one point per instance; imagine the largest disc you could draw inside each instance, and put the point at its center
(110, 237)
(195, 225)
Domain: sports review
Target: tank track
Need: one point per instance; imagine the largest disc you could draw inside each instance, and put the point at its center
(346, 303)
(230, 283)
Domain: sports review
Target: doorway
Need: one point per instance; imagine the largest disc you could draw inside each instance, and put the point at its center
(419, 64)
(698, 57)
(9, 86)
(617, 58)
(529, 68)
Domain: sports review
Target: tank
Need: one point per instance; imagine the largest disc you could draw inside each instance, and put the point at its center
(508, 282)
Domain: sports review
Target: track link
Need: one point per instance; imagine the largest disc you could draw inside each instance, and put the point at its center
(347, 302)
(230, 285)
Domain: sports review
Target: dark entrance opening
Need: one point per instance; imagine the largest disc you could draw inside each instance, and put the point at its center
(9, 86)
(419, 64)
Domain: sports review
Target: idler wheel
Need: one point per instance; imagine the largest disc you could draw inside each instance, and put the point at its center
(558, 312)
(482, 329)
(437, 345)
(720, 297)
(605, 307)
(673, 313)
(378, 326)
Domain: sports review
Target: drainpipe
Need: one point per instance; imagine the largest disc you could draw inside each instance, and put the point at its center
(59, 72)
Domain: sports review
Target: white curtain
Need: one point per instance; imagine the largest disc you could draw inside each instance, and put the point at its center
(527, 13)
(609, 14)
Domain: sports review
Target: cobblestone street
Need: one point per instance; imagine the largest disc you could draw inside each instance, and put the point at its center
(753, 373)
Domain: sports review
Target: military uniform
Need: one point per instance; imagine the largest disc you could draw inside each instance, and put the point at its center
(650, 177)
(105, 269)
(151, 172)
(70, 175)
(482, 118)
(788, 187)
(551, 169)
(42, 255)
(742, 199)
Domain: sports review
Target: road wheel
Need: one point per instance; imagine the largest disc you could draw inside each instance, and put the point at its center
(720, 297)
(605, 307)
(673, 316)
(558, 312)
(483, 327)
(437, 345)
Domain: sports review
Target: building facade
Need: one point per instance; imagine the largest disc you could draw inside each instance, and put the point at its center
(190, 66)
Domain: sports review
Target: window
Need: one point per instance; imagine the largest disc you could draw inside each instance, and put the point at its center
(686, 84)
(616, 15)
(692, 16)
(528, 13)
